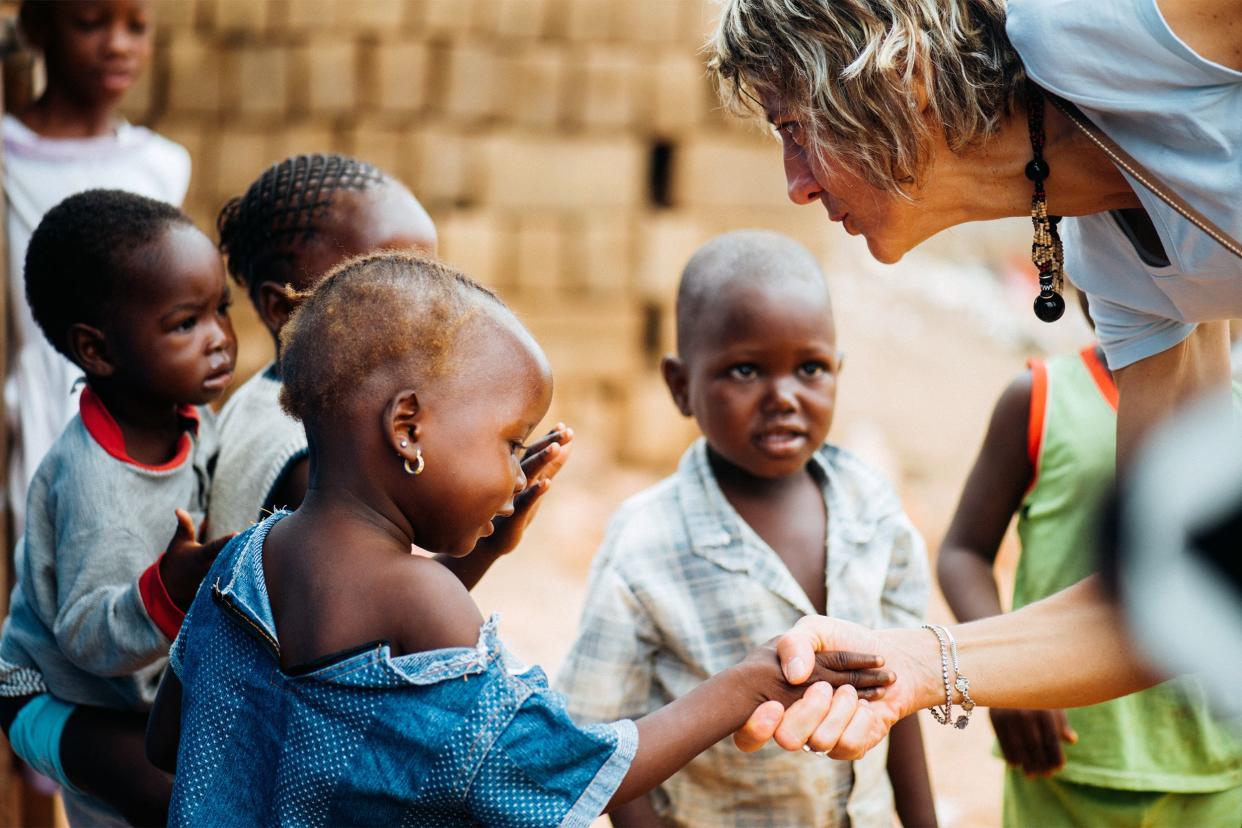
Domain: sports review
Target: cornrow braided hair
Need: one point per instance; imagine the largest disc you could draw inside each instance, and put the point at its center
(285, 205)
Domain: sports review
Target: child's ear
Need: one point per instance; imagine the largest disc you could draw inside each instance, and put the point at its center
(674, 371)
(275, 306)
(89, 349)
(402, 430)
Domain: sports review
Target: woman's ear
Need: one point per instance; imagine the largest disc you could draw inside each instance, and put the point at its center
(402, 424)
(674, 371)
(89, 350)
(275, 305)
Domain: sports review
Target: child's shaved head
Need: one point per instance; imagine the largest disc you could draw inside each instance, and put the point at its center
(756, 260)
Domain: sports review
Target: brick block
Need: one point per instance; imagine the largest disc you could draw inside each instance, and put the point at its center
(376, 15)
(243, 154)
(589, 19)
(653, 432)
(201, 145)
(679, 94)
(473, 242)
(667, 240)
(239, 15)
(443, 17)
(384, 146)
(259, 78)
(540, 255)
(175, 14)
(524, 172)
(607, 96)
(307, 138)
(468, 88)
(651, 21)
(524, 19)
(300, 15)
(587, 339)
(536, 86)
(399, 76)
(330, 64)
(194, 73)
(727, 172)
(601, 254)
(446, 166)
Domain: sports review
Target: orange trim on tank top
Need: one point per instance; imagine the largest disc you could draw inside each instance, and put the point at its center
(1100, 373)
(1035, 422)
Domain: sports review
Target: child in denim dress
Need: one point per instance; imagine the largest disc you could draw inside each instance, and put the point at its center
(324, 675)
(129, 290)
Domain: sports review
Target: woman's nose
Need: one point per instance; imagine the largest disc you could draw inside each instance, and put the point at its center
(803, 187)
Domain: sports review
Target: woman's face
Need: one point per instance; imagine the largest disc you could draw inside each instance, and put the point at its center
(887, 222)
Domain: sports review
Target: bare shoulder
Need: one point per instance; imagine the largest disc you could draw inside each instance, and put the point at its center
(1212, 28)
(430, 607)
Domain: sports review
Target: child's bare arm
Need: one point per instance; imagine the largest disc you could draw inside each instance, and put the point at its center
(164, 724)
(907, 770)
(639, 812)
(676, 733)
(993, 492)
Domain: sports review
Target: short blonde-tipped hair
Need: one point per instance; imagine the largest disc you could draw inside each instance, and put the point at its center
(853, 73)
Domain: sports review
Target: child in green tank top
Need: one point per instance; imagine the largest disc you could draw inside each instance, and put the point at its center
(1152, 758)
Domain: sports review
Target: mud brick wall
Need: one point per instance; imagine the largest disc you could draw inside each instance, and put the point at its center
(571, 152)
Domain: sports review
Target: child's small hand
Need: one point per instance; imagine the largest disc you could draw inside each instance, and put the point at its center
(544, 459)
(1031, 739)
(835, 667)
(185, 564)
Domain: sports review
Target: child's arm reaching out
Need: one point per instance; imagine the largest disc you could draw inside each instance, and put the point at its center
(676, 733)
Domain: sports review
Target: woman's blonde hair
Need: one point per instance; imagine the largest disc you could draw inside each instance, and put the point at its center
(853, 73)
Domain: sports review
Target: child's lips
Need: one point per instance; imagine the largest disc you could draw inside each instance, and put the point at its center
(218, 380)
(781, 443)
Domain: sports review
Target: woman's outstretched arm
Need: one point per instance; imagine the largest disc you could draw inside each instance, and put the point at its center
(1067, 650)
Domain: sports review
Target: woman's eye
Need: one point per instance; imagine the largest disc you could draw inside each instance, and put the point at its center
(743, 371)
(793, 131)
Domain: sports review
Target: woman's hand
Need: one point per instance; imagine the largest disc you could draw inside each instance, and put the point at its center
(838, 722)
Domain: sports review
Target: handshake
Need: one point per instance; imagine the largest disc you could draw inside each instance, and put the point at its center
(860, 686)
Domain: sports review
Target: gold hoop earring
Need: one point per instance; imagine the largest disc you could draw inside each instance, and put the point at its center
(418, 461)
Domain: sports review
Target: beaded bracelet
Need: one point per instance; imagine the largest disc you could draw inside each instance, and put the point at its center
(962, 684)
(944, 714)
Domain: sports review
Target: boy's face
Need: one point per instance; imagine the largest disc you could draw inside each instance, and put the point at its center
(171, 340)
(95, 48)
(478, 415)
(760, 375)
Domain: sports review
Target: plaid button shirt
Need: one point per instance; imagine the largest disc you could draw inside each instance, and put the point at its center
(683, 588)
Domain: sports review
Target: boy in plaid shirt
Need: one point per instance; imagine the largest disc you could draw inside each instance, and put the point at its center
(761, 524)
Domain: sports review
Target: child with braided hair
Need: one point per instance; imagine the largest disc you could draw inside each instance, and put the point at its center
(326, 676)
(298, 220)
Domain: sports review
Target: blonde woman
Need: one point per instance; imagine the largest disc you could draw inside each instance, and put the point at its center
(905, 117)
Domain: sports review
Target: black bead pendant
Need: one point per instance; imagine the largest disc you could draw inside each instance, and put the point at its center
(1049, 306)
(1037, 170)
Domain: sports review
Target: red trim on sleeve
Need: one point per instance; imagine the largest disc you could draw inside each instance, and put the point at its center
(159, 605)
(101, 425)
(1100, 373)
(1035, 421)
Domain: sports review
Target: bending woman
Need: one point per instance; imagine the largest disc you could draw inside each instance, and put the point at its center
(905, 117)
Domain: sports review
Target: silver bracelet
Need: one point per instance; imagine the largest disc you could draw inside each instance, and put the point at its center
(962, 684)
(944, 714)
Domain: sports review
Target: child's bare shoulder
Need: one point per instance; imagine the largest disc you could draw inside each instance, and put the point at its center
(431, 609)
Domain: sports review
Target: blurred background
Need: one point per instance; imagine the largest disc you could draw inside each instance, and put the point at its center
(573, 155)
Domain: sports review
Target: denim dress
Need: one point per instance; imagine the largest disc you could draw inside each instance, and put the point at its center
(459, 736)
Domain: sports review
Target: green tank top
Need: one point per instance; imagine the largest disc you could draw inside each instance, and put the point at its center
(1164, 738)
